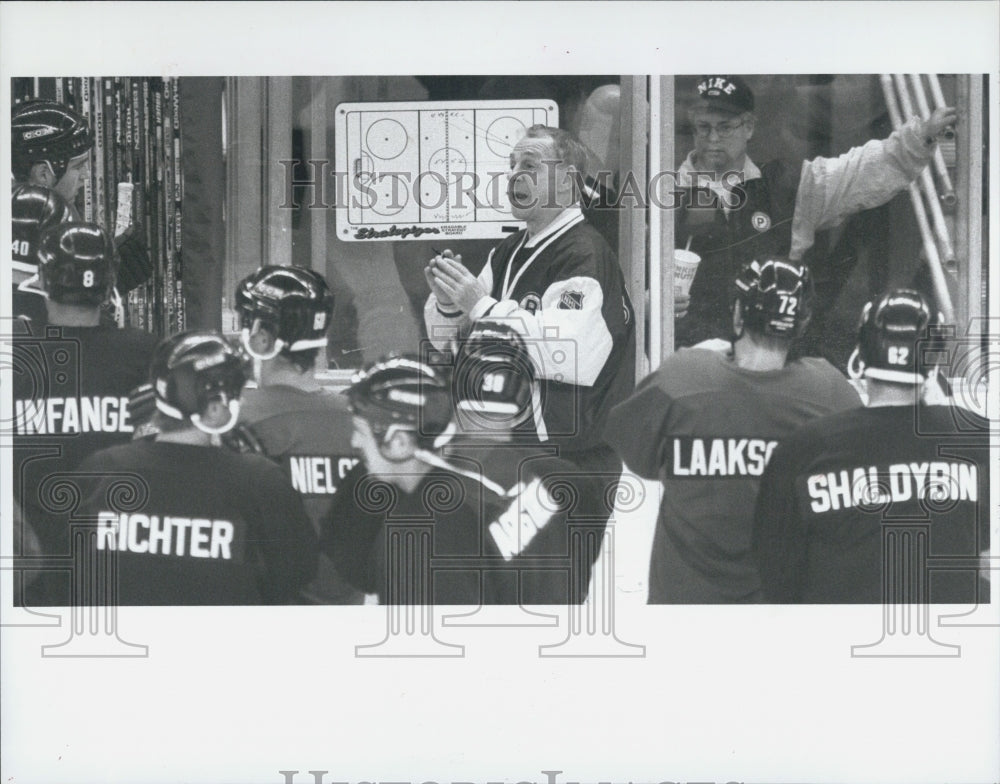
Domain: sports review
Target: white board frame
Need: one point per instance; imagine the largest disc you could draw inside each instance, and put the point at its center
(411, 191)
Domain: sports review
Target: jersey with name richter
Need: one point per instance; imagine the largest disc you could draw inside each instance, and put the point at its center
(197, 525)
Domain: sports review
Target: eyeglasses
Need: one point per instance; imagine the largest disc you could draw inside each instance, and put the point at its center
(723, 130)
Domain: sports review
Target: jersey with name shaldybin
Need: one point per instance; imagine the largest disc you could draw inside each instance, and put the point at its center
(192, 524)
(70, 399)
(887, 503)
(706, 428)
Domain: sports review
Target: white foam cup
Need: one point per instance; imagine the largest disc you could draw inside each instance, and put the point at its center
(685, 266)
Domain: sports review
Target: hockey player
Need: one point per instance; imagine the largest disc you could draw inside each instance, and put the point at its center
(34, 210)
(559, 284)
(405, 506)
(844, 496)
(535, 552)
(706, 422)
(50, 146)
(207, 525)
(70, 394)
(285, 313)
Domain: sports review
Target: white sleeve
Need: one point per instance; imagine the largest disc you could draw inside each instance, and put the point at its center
(444, 323)
(832, 189)
(567, 336)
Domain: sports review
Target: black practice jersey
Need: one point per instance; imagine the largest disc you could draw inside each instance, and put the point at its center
(856, 497)
(70, 399)
(706, 428)
(543, 524)
(194, 524)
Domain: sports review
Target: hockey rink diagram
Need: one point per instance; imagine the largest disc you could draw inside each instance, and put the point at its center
(419, 169)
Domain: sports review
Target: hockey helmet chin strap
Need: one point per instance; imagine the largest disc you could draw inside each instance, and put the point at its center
(175, 413)
(245, 340)
(279, 344)
(234, 413)
(854, 367)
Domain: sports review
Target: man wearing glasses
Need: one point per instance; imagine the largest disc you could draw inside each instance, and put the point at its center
(735, 211)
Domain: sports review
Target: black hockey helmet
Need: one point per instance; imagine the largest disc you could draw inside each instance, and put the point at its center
(494, 375)
(191, 369)
(46, 131)
(293, 304)
(77, 264)
(776, 297)
(34, 210)
(888, 336)
(403, 393)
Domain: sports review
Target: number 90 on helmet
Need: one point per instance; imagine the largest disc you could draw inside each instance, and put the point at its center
(192, 370)
(493, 378)
(775, 296)
(293, 304)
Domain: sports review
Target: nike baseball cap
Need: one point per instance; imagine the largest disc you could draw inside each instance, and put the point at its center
(725, 93)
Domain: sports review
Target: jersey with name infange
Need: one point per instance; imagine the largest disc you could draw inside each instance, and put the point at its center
(203, 526)
(848, 489)
(706, 428)
(70, 399)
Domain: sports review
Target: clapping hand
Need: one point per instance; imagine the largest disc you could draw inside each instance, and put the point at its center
(452, 283)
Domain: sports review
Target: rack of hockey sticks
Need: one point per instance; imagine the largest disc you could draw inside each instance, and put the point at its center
(135, 178)
(925, 196)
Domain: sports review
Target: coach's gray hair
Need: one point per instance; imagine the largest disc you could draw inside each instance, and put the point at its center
(567, 148)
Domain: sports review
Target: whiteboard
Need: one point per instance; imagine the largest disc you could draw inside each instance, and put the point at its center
(418, 170)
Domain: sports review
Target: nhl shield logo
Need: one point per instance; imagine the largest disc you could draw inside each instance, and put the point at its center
(571, 300)
(761, 221)
(531, 303)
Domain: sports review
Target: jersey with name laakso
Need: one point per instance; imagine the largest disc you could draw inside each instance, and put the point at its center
(183, 524)
(855, 498)
(707, 428)
(70, 399)
(566, 294)
(543, 522)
